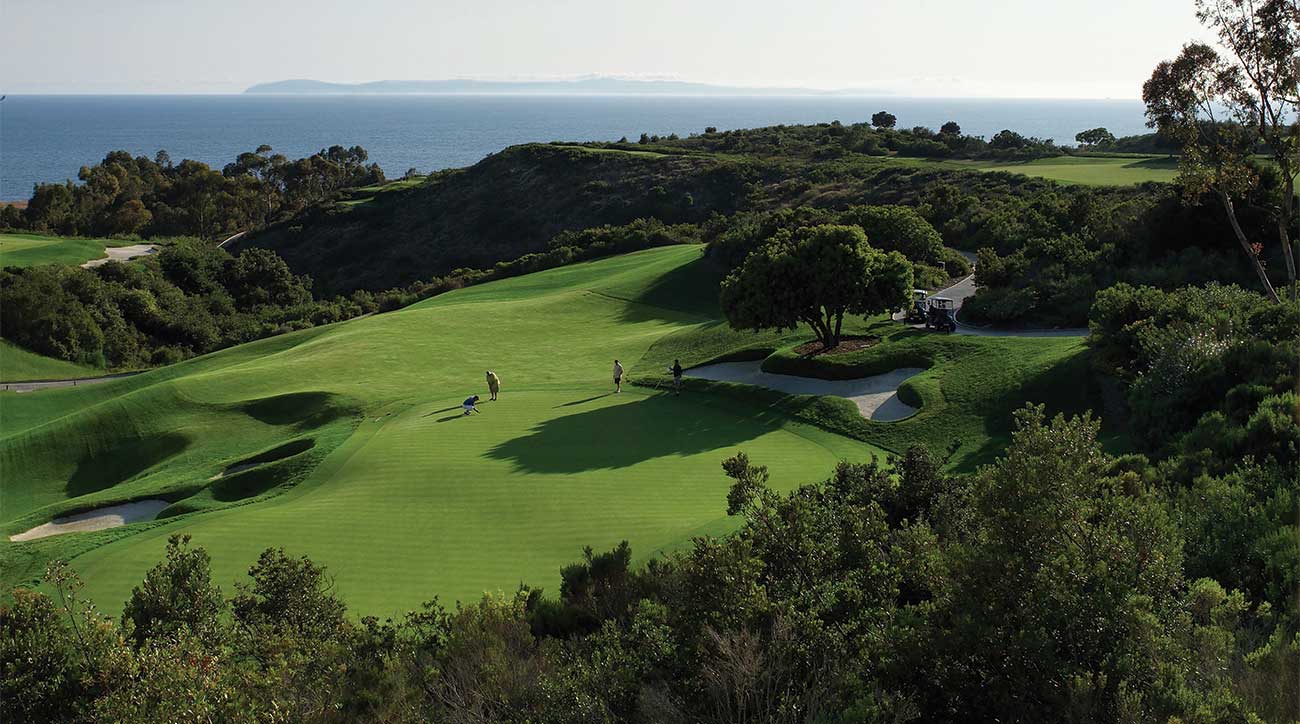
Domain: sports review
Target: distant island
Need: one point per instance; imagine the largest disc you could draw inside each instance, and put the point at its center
(581, 86)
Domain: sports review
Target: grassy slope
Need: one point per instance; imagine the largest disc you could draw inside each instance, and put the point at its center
(417, 500)
(503, 207)
(400, 496)
(19, 365)
(37, 249)
(1087, 170)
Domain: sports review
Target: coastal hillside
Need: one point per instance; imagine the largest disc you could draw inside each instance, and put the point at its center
(508, 205)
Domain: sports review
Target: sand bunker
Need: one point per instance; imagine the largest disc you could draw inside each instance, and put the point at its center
(98, 519)
(875, 396)
(122, 253)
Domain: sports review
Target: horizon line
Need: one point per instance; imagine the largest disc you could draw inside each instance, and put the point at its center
(526, 94)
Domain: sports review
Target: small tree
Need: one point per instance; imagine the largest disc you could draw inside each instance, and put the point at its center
(1224, 106)
(883, 119)
(950, 129)
(1096, 137)
(176, 594)
(815, 275)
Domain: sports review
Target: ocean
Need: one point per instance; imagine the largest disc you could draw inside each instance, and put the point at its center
(48, 138)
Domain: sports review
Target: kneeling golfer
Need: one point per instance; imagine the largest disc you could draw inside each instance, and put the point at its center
(468, 405)
(677, 376)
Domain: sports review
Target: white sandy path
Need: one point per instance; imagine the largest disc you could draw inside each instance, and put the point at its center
(122, 253)
(875, 396)
(98, 519)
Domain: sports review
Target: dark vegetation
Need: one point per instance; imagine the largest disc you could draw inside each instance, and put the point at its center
(863, 598)
(814, 276)
(126, 196)
(192, 298)
(1061, 243)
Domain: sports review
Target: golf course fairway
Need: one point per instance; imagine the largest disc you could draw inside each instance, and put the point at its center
(413, 500)
(346, 443)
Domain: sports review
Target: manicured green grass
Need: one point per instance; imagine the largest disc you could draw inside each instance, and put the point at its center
(37, 249)
(366, 194)
(375, 473)
(1087, 170)
(19, 365)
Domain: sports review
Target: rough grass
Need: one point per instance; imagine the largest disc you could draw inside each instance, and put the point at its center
(403, 498)
(19, 365)
(36, 249)
(1086, 170)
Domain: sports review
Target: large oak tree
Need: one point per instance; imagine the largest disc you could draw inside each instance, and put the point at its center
(815, 275)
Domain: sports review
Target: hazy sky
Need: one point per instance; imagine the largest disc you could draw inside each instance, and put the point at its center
(1012, 48)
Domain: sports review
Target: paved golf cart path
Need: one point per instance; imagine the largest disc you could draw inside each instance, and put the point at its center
(875, 396)
(122, 253)
(98, 519)
(965, 289)
(47, 384)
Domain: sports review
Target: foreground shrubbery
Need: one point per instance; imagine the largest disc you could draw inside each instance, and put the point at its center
(1049, 586)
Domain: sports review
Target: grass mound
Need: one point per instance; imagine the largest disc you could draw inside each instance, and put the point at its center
(361, 458)
(20, 365)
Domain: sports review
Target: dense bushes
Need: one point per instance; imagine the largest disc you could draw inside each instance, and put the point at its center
(192, 298)
(123, 196)
(1210, 375)
(863, 598)
(823, 141)
(188, 299)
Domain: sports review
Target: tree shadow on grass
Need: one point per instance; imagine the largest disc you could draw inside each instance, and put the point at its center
(623, 435)
(691, 288)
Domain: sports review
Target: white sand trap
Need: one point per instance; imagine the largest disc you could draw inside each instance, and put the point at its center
(122, 253)
(875, 396)
(98, 519)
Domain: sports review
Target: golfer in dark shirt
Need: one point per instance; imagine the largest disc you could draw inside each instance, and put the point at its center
(677, 376)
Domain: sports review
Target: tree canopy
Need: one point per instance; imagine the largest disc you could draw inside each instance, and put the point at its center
(1097, 137)
(815, 275)
(884, 119)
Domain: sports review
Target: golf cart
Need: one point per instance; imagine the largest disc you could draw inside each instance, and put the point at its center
(942, 315)
(916, 313)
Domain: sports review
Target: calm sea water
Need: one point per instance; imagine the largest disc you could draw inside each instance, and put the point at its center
(48, 138)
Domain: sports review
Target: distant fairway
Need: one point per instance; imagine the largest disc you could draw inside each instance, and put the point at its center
(374, 473)
(37, 249)
(1087, 170)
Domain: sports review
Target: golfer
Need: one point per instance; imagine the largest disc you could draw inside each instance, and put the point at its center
(494, 384)
(618, 376)
(677, 376)
(468, 404)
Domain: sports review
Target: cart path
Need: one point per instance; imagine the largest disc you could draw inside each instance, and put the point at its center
(965, 289)
(47, 384)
